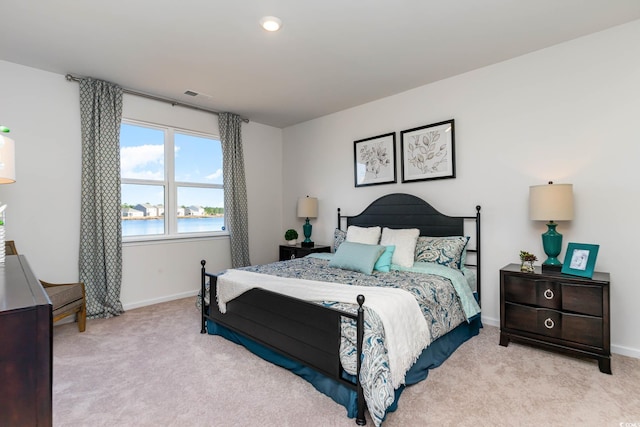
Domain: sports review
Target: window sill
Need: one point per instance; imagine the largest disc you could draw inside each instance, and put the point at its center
(154, 240)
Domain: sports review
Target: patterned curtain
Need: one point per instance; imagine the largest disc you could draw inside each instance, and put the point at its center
(100, 227)
(235, 189)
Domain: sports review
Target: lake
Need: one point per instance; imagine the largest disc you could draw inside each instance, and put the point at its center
(145, 227)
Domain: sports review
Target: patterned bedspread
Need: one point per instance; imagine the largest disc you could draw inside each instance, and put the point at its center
(435, 295)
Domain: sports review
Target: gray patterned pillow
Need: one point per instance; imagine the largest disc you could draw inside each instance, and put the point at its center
(445, 251)
(339, 236)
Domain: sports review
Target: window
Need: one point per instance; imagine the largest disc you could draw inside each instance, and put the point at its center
(171, 182)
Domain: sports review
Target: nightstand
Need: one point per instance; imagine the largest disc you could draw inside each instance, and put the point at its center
(297, 251)
(557, 312)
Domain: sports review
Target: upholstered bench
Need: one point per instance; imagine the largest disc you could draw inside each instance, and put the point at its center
(66, 298)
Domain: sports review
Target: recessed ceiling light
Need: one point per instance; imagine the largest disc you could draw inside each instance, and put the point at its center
(271, 23)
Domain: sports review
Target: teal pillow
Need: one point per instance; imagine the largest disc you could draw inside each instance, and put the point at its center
(384, 262)
(356, 257)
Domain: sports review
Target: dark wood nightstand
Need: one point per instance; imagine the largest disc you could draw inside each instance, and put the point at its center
(557, 312)
(297, 251)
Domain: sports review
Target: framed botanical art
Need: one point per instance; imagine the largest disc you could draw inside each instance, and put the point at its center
(428, 152)
(375, 160)
(580, 259)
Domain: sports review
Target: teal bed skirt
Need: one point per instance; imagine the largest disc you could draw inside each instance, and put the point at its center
(432, 357)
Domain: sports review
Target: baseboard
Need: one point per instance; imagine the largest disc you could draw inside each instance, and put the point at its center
(625, 351)
(134, 305)
(490, 321)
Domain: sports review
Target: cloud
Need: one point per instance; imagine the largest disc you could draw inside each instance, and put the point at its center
(217, 174)
(142, 162)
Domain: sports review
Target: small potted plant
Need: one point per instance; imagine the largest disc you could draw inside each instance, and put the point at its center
(526, 261)
(291, 236)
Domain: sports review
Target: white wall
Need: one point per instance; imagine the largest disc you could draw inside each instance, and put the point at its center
(43, 214)
(568, 114)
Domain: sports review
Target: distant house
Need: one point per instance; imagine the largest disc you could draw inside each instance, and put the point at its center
(160, 210)
(148, 209)
(194, 210)
(132, 213)
(180, 211)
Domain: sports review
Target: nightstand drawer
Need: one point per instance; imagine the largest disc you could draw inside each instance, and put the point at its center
(531, 291)
(586, 299)
(575, 328)
(557, 295)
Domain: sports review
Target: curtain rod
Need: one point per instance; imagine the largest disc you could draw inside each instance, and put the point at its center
(73, 78)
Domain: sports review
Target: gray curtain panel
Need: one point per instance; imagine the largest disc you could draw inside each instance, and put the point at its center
(236, 208)
(100, 226)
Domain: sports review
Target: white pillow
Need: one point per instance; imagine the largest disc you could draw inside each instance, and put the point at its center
(405, 242)
(366, 235)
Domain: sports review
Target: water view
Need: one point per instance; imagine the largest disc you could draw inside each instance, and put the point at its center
(150, 226)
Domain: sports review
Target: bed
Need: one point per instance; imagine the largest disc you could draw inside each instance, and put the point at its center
(333, 335)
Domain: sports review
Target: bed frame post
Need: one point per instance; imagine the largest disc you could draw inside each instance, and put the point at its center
(203, 329)
(478, 271)
(339, 219)
(360, 420)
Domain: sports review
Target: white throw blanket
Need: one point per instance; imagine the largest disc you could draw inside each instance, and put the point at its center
(406, 330)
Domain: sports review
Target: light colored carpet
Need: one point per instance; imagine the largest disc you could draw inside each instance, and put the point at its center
(152, 367)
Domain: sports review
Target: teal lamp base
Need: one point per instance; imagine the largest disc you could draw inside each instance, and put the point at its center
(306, 229)
(552, 245)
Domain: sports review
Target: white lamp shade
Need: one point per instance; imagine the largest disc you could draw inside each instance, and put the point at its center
(7, 160)
(307, 207)
(551, 202)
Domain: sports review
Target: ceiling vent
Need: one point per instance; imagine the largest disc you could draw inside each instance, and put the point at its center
(191, 93)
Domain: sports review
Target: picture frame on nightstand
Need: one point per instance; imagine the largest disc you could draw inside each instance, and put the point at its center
(580, 259)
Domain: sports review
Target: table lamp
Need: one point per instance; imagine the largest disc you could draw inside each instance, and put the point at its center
(551, 202)
(307, 208)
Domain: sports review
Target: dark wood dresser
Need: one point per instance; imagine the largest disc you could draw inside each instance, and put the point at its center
(26, 340)
(556, 312)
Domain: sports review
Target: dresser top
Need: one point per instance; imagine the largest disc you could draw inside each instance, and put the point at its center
(598, 276)
(18, 286)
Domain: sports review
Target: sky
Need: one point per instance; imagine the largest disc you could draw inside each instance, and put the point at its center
(197, 160)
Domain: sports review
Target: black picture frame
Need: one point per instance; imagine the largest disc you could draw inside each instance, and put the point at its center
(428, 152)
(375, 160)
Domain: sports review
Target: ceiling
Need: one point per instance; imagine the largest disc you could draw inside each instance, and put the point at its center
(329, 55)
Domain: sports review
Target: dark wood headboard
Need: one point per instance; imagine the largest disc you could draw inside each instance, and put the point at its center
(400, 210)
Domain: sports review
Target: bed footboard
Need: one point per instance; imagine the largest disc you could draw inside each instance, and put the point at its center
(299, 330)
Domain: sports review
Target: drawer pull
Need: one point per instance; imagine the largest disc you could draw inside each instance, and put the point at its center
(548, 294)
(293, 256)
(549, 324)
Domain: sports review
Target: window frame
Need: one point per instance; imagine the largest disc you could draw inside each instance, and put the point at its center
(171, 186)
